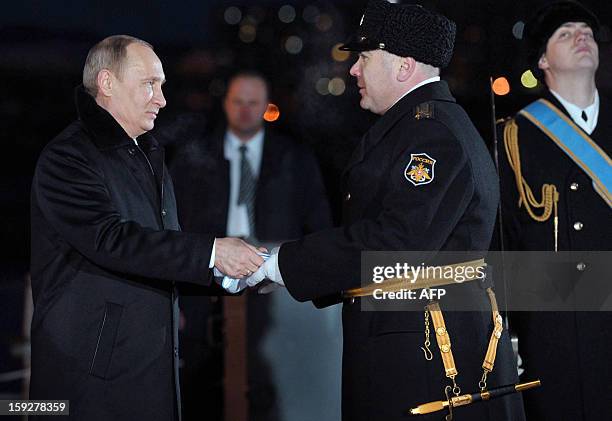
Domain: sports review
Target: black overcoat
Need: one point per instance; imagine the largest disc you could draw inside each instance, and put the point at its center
(568, 351)
(384, 370)
(106, 252)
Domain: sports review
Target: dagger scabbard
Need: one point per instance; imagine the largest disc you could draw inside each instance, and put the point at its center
(468, 399)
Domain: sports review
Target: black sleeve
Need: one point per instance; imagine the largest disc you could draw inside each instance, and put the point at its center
(72, 195)
(412, 218)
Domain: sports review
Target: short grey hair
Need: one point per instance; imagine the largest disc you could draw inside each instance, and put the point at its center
(110, 53)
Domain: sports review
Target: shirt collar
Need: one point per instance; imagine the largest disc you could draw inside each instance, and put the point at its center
(575, 112)
(254, 148)
(418, 85)
(234, 142)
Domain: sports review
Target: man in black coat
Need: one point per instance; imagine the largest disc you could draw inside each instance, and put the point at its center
(288, 201)
(567, 350)
(421, 180)
(107, 249)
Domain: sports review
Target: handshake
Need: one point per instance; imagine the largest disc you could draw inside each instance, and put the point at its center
(238, 265)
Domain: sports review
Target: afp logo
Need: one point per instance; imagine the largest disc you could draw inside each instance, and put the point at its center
(420, 169)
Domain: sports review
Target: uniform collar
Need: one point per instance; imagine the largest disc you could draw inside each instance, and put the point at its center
(432, 91)
(575, 112)
(418, 85)
(105, 131)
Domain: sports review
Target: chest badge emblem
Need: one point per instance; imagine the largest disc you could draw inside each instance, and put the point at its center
(420, 169)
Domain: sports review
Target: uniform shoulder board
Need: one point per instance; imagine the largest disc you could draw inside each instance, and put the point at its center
(424, 110)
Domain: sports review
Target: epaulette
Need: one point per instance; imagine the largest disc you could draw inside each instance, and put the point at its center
(424, 110)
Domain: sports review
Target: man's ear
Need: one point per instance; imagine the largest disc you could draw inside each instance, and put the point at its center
(543, 62)
(407, 69)
(105, 82)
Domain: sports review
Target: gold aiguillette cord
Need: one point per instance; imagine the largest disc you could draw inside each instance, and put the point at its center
(450, 369)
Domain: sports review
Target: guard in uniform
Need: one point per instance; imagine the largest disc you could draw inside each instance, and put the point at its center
(420, 180)
(556, 197)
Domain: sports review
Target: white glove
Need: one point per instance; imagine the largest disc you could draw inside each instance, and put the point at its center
(269, 270)
(231, 285)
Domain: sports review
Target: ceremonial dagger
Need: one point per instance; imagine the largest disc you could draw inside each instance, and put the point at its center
(467, 399)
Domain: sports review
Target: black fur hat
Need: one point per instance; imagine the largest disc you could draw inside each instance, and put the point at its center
(406, 30)
(540, 27)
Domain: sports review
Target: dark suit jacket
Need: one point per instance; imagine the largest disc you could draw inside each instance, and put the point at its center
(290, 197)
(566, 350)
(106, 251)
(384, 371)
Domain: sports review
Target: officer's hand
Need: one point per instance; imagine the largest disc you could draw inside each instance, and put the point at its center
(269, 270)
(236, 258)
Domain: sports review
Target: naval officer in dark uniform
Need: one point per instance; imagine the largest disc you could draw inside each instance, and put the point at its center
(421, 179)
(567, 350)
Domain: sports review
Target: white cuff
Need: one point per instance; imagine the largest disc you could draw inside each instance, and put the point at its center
(211, 264)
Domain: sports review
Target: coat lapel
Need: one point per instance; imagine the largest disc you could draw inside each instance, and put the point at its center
(143, 179)
(270, 159)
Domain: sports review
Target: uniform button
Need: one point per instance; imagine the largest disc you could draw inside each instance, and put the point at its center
(581, 266)
(348, 197)
(578, 225)
(574, 186)
(163, 212)
(352, 301)
(131, 151)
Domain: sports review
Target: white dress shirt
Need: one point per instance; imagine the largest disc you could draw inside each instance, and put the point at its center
(575, 112)
(237, 216)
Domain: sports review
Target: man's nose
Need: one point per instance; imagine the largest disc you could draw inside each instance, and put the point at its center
(159, 98)
(355, 69)
(581, 35)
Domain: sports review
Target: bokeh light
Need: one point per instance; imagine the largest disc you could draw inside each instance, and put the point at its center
(336, 86)
(501, 86)
(324, 22)
(322, 86)
(272, 113)
(286, 14)
(232, 15)
(294, 44)
(517, 29)
(339, 55)
(528, 79)
(247, 32)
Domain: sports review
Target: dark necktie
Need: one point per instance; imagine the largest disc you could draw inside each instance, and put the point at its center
(584, 116)
(248, 184)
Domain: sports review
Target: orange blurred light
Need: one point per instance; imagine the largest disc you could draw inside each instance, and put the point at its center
(338, 54)
(501, 86)
(272, 113)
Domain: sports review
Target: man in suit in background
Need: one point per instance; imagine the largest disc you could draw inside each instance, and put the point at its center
(247, 181)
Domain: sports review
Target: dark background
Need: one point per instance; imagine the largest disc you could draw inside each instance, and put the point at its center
(43, 45)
